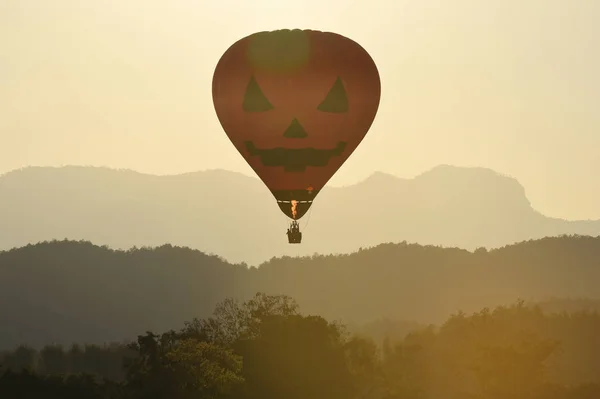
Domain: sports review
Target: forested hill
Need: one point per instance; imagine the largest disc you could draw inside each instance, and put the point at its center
(66, 291)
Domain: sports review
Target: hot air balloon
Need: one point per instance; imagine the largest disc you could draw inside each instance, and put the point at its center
(296, 104)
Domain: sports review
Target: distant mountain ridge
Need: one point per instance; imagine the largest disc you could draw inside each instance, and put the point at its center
(235, 216)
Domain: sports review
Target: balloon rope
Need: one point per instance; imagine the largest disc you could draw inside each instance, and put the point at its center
(308, 220)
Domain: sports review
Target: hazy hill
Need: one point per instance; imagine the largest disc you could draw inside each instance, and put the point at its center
(77, 292)
(236, 217)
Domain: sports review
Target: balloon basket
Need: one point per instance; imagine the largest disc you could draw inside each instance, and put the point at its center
(294, 234)
(295, 238)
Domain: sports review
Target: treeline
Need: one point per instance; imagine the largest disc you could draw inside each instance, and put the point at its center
(265, 348)
(67, 291)
(105, 361)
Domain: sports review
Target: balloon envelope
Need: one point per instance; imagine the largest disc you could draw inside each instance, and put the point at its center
(296, 104)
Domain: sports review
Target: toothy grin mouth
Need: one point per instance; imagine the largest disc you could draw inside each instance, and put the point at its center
(294, 159)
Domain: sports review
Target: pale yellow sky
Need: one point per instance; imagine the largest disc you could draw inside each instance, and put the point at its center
(507, 84)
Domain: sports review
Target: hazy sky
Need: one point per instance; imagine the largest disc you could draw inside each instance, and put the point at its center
(508, 84)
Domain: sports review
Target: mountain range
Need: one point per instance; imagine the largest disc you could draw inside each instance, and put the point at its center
(75, 291)
(236, 217)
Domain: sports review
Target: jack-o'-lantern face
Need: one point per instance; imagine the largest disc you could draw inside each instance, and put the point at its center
(296, 104)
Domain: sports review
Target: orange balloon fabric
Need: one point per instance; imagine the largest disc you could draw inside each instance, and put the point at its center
(296, 104)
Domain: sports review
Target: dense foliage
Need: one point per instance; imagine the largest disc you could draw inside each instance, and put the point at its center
(265, 348)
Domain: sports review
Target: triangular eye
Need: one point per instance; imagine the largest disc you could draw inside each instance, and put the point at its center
(254, 99)
(337, 100)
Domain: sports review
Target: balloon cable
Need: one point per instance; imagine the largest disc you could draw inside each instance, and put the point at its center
(308, 220)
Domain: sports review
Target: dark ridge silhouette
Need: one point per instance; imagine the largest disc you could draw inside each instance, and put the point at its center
(212, 210)
(65, 291)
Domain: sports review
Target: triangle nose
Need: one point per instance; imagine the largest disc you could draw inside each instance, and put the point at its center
(295, 130)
